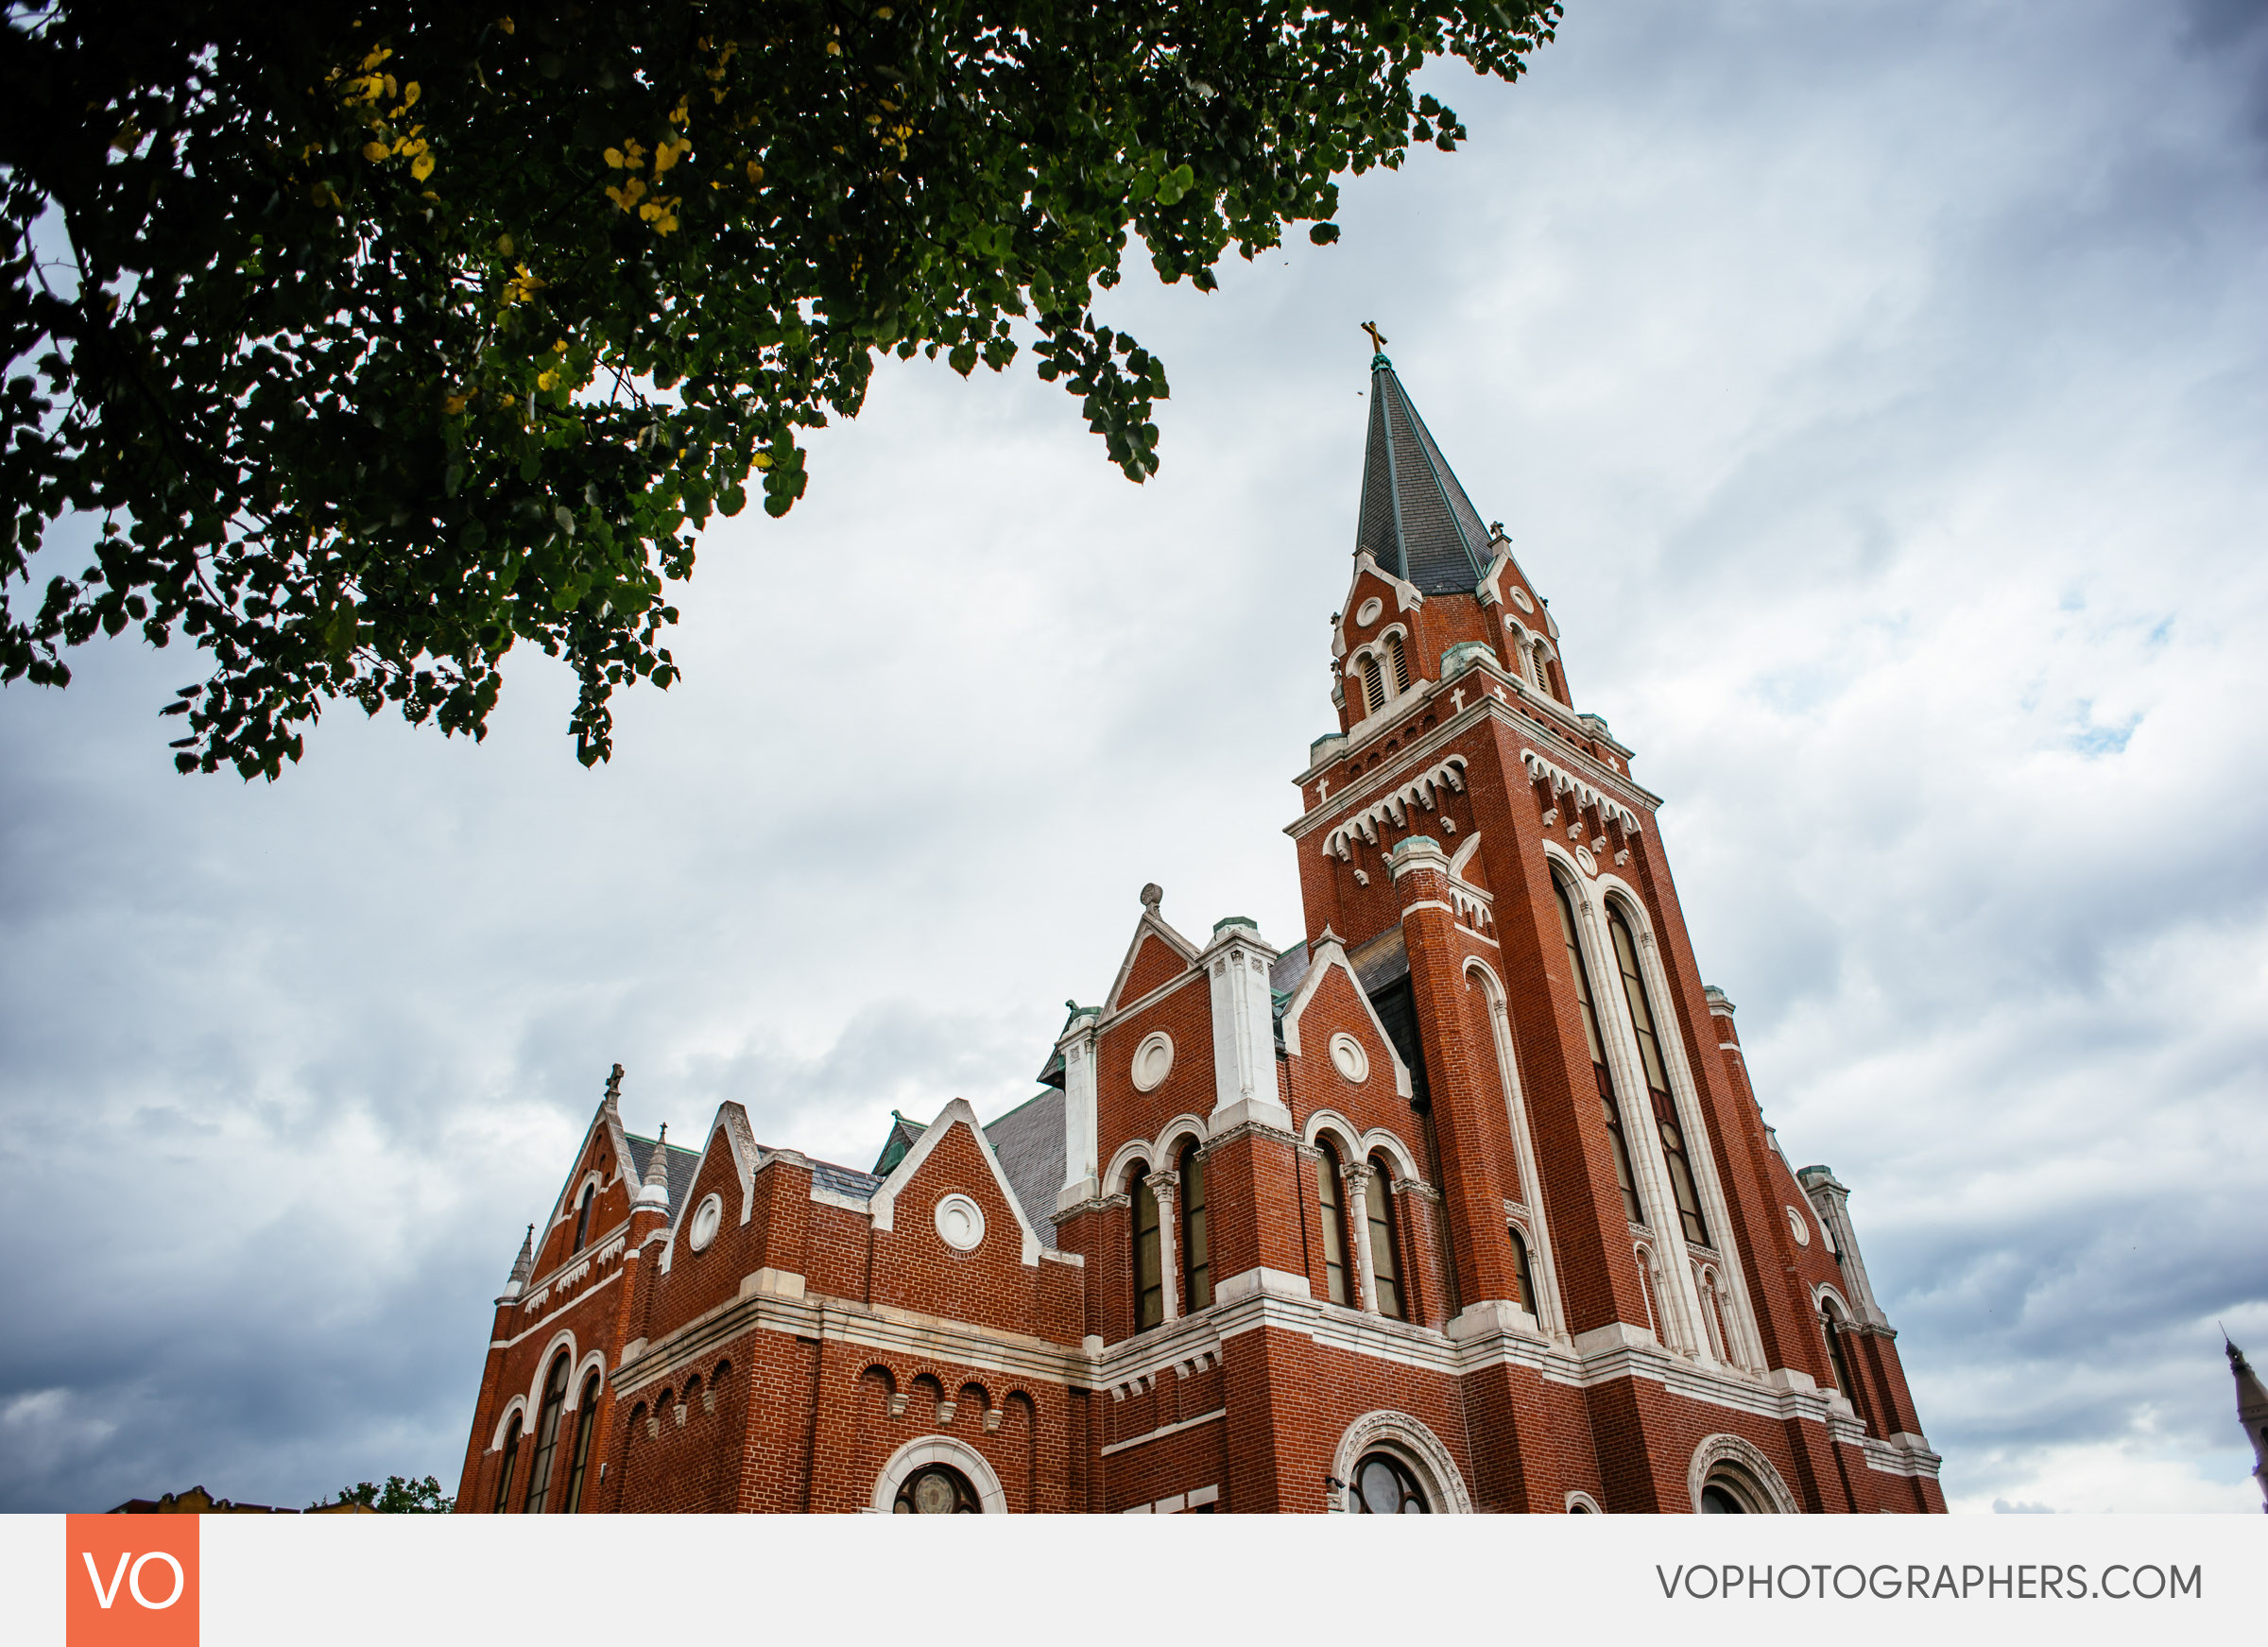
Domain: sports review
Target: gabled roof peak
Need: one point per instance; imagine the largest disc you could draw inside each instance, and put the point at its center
(1416, 523)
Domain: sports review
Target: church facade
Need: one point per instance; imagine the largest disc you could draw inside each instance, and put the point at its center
(1462, 1202)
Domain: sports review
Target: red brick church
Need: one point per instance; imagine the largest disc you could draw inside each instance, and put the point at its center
(1461, 1202)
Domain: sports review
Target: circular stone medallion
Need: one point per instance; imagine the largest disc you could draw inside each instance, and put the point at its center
(1348, 1058)
(1368, 612)
(706, 1217)
(1801, 1225)
(960, 1222)
(1588, 864)
(1153, 1061)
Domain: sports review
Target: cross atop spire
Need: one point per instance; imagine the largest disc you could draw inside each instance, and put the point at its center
(1416, 523)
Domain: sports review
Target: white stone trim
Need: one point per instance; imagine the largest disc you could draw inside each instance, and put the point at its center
(1117, 1175)
(593, 1363)
(503, 1421)
(1424, 790)
(1243, 1036)
(884, 1203)
(1581, 1503)
(929, 1450)
(1150, 922)
(1746, 1350)
(562, 1339)
(1184, 1125)
(1750, 1460)
(1386, 1430)
(1542, 1262)
(1164, 1431)
(1379, 1141)
(1325, 955)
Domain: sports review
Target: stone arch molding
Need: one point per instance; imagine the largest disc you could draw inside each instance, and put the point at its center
(928, 1449)
(1746, 1457)
(1401, 1433)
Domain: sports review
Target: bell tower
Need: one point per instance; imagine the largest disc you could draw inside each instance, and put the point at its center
(1493, 871)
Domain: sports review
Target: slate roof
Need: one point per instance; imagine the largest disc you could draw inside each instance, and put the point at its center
(1029, 1141)
(1416, 521)
(684, 1164)
(844, 1180)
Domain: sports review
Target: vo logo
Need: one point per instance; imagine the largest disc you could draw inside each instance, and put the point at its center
(131, 1581)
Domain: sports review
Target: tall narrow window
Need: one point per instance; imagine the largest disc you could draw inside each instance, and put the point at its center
(1149, 1279)
(1334, 1228)
(1527, 1276)
(547, 1436)
(1623, 1177)
(1401, 664)
(1837, 1361)
(586, 1420)
(1383, 1270)
(583, 1216)
(1374, 685)
(1657, 1083)
(1196, 1256)
(512, 1457)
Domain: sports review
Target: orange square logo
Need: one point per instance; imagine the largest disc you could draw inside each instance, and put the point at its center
(130, 1581)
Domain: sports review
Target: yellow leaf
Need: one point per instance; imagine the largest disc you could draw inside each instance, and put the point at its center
(545, 379)
(409, 96)
(505, 24)
(614, 158)
(559, 347)
(374, 151)
(504, 244)
(665, 157)
(421, 167)
(833, 49)
(755, 173)
(764, 460)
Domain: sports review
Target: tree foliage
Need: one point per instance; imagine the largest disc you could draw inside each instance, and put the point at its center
(380, 337)
(399, 1497)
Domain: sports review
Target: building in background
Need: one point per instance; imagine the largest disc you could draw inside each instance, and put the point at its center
(1461, 1202)
(2252, 1414)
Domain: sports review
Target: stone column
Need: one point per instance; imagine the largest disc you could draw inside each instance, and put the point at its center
(1080, 1168)
(1163, 1186)
(1356, 1177)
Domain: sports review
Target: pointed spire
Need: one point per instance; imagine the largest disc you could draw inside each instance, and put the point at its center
(1416, 523)
(654, 1192)
(523, 1267)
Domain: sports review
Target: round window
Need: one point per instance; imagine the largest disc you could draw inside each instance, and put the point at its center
(706, 1217)
(960, 1222)
(1797, 1223)
(937, 1491)
(1153, 1061)
(1384, 1486)
(1368, 612)
(1348, 1058)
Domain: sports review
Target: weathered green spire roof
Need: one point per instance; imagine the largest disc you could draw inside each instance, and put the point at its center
(1417, 521)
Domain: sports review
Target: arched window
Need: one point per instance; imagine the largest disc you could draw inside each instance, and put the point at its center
(1526, 1276)
(1384, 1486)
(1657, 1082)
(512, 1457)
(936, 1490)
(1838, 1361)
(1718, 1499)
(1334, 1227)
(586, 1420)
(1196, 1255)
(547, 1436)
(1374, 685)
(1598, 1053)
(1383, 1274)
(1149, 1279)
(583, 1216)
(1401, 664)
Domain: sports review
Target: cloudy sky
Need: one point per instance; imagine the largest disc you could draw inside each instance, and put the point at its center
(1876, 389)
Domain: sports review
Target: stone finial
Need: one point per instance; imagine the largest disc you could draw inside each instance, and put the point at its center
(525, 1265)
(1152, 896)
(654, 1192)
(614, 1085)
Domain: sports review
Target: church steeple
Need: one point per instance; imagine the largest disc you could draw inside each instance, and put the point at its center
(2252, 1413)
(1417, 521)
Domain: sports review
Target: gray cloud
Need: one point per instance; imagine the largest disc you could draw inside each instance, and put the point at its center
(1877, 390)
